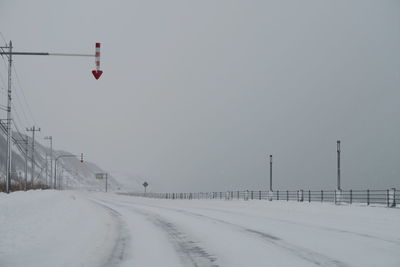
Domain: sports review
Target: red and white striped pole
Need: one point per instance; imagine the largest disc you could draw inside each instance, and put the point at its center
(97, 73)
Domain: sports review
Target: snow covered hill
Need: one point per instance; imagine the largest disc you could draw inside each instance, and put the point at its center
(72, 173)
(68, 228)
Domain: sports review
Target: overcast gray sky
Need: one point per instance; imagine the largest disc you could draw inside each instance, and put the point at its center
(196, 94)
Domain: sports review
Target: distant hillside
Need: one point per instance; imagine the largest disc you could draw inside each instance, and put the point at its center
(71, 172)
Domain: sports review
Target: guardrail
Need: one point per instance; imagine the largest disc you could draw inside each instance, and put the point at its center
(386, 197)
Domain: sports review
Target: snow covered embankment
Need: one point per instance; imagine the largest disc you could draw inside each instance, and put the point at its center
(52, 228)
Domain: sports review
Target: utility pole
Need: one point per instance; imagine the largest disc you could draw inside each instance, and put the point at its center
(338, 165)
(26, 162)
(26, 142)
(46, 166)
(9, 117)
(33, 129)
(51, 160)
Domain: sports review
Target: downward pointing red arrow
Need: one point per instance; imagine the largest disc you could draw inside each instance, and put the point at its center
(97, 73)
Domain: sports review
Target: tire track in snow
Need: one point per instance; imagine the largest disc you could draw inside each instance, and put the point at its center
(118, 251)
(324, 228)
(190, 252)
(298, 251)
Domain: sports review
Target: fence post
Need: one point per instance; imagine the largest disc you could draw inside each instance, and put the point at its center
(246, 195)
(387, 197)
(392, 198)
(322, 195)
(300, 195)
(309, 195)
(259, 195)
(277, 195)
(338, 196)
(252, 194)
(287, 195)
(270, 195)
(368, 197)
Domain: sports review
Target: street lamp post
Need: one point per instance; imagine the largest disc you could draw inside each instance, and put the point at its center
(338, 165)
(55, 166)
(50, 138)
(270, 172)
(270, 192)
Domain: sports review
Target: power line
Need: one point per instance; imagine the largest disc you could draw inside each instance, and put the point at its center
(2, 79)
(19, 87)
(16, 113)
(2, 36)
(27, 122)
(24, 97)
(1, 76)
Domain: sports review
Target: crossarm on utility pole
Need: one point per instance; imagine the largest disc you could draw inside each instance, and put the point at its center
(47, 54)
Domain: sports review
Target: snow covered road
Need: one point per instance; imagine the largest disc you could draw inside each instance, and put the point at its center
(95, 229)
(239, 233)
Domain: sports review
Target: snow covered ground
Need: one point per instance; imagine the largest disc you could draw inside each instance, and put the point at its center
(49, 228)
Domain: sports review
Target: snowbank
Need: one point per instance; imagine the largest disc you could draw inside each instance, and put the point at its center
(52, 228)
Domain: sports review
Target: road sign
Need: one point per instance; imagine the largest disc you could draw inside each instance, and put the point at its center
(99, 176)
(145, 184)
(97, 73)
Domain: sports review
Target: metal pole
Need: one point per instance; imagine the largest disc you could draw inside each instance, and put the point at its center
(55, 168)
(50, 138)
(9, 132)
(33, 130)
(33, 156)
(338, 165)
(26, 161)
(270, 172)
(51, 159)
(47, 169)
(55, 173)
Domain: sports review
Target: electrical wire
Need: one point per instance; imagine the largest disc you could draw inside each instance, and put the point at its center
(24, 97)
(2, 36)
(27, 121)
(19, 88)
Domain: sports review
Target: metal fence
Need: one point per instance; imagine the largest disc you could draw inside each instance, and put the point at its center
(386, 197)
